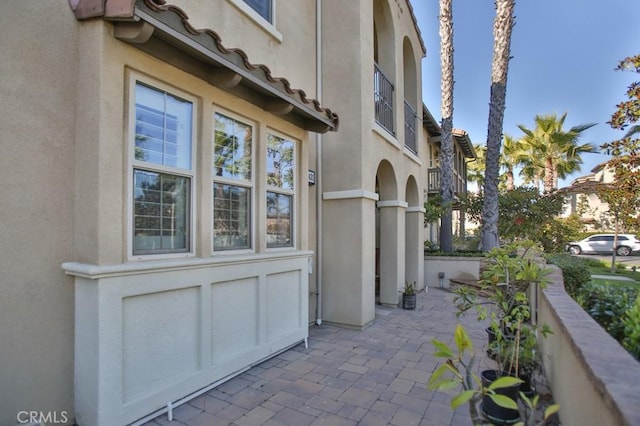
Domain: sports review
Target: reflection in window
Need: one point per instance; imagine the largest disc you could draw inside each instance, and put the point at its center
(160, 213)
(163, 128)
(280, 162)
(231, 206)
(232, 172)
(232, 148)
(279, 223)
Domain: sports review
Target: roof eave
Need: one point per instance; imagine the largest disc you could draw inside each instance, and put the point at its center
(165, 32)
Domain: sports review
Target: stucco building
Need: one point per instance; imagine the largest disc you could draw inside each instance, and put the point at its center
(581, 199)
(188, 186)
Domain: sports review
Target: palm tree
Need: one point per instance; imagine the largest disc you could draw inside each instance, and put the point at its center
(475, 169)
(560, 150)
(502, 27)
(446, 108)
(513, 155)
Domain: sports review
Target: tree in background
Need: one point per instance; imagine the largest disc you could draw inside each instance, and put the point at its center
(523, 213)
(557, 151)
(513, 155)
(502, 28)
(446, 144)
(475, 169)
(623, 195)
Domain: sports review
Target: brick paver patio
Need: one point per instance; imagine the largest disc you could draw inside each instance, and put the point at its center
(375, 376)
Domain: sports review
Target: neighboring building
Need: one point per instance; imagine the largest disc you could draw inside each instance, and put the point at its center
(174, 213)
(463, 153)
(581, 199)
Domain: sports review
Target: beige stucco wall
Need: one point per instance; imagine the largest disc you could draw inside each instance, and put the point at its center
(352, 157)
(64, 104)
(38, 41)
(592, 377)
(64, 132)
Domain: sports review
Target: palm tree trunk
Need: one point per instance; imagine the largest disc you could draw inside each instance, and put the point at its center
(502, 27)
(549, 174)
(446, 154)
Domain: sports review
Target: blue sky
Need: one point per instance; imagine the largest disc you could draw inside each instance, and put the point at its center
(563, 56)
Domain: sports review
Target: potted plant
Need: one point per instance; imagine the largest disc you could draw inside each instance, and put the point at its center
(458, 371)
(508, 277)
(409, 296)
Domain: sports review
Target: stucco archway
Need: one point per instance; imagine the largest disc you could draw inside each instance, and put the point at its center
(389, 236)
(414, 235)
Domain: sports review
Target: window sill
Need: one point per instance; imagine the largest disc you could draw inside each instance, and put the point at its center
(92, 271)
(384, 133)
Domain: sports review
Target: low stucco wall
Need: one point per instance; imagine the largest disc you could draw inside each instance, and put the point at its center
(592, 377)
(454, 267)
(151, 333)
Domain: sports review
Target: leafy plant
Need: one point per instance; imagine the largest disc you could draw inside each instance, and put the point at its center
(457, 372)
(409, 289)
(575, 271)
(607, 305)
(631, 322)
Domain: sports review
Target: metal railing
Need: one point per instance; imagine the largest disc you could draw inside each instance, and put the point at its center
(410, 118)
(383, 99)
(433, 180)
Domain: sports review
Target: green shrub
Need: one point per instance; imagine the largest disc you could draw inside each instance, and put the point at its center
(631, 322)
(607, 305)
(575, 271)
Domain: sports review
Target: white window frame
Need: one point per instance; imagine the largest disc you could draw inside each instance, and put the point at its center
(251, 184)
(133, 164)
(269, 27)
(293, 193)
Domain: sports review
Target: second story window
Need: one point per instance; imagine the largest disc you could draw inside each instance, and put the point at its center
(264, 8)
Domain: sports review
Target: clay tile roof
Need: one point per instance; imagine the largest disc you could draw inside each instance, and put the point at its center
(259, 76)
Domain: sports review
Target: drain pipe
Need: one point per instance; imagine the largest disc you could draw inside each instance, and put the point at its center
(319, 167)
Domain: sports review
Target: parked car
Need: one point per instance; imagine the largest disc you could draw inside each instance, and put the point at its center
(603, 243)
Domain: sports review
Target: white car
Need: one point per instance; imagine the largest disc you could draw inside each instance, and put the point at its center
(603, 243)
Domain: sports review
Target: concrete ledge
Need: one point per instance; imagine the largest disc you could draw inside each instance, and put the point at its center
(593, 378)
(454, 267)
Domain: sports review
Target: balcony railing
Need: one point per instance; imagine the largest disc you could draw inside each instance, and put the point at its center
(383, 98)
(410, 118)
(433, 181)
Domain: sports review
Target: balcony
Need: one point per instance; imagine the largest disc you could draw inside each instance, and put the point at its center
(383, 100)
(410, 119)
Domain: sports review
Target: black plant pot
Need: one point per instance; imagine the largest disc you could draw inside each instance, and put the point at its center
(408, 301)
(494, 412)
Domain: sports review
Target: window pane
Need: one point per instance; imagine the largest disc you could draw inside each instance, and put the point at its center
(232, 149)
(160, 212)
(279, 162)
(231, 213)
(163, 128)
(279, 220)
(263, 7)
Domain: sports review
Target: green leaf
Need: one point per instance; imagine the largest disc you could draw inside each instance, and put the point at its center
(551, 410)
(504, 382)
(448, 384)
(462, 339)
(436, 375)
(461, 398)
(442, 350)
(504, 401)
